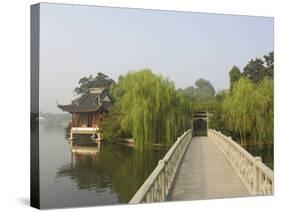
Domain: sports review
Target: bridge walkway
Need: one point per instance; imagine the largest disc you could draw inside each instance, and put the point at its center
(205, 173)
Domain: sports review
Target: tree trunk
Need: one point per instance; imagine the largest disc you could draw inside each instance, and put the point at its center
(241, 136)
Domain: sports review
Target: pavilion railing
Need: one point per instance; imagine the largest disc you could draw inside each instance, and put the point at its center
(157, 186)
(255, 175)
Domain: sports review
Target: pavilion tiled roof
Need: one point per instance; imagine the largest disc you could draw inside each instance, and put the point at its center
(91, 101)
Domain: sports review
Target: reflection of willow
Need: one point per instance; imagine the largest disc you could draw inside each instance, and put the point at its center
(127, 168)
(265, 151)
(133, 172)
(119, 168)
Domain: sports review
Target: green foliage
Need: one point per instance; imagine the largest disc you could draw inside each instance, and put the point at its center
(236, 107)
(262, 107)
(149, 108)
(111, 128)
(248, 110)
(201, 97)
(203, 90)
(101, 80)
(255, 70)
(216, 120)
(258, 69)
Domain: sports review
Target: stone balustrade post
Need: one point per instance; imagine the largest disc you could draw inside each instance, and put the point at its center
(163, 181)
(256, 176)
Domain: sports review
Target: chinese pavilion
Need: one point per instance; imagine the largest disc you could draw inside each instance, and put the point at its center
(87, 111)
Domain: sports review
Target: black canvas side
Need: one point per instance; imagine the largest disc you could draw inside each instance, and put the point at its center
(34, 104)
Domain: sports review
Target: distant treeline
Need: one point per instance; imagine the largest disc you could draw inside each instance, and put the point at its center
(51, 120)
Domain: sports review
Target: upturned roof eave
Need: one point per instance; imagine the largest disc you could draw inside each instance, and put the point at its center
(73, 108)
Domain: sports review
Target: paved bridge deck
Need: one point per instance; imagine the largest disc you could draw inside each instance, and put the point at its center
(204, 173)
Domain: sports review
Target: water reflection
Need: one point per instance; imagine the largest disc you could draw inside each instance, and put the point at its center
(110, 168)
(83, 175)
(83, 168)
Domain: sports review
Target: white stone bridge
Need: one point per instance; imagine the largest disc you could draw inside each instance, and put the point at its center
(205, 167)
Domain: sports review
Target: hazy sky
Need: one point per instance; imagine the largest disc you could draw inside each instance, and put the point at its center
(77, 41)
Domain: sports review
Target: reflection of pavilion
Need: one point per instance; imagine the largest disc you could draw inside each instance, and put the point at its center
(81, 152)
(84, 150)
(84, 168)
(113, 168)
(77, 146)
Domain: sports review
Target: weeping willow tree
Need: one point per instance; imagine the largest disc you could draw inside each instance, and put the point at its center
(248, 110)
(262, 110)
(149, 109)
(237, 107)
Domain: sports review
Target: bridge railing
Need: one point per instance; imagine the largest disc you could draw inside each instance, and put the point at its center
(255, 175)
(157, 186)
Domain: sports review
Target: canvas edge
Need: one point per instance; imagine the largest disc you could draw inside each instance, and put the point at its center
(34, 105)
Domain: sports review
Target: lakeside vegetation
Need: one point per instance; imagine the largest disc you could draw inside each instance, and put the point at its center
(149, 109)
(247, 106)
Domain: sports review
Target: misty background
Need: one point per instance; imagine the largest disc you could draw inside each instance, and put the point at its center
(76, 41)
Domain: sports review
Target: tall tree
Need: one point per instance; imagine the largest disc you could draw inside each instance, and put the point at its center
(269, 61)
(255, 70)
(262, 112)
(201, 97)
(203, 90)
(190, 91)
(248, 110)
(149, 108)
(236, 107)
(205, 87)
(234, 75)
(101, 80)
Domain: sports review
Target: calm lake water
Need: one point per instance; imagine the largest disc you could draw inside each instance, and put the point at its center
(84, 176)
(87, 176)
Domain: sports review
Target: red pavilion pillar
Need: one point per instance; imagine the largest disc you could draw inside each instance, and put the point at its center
(72, 120)
(76, 119)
